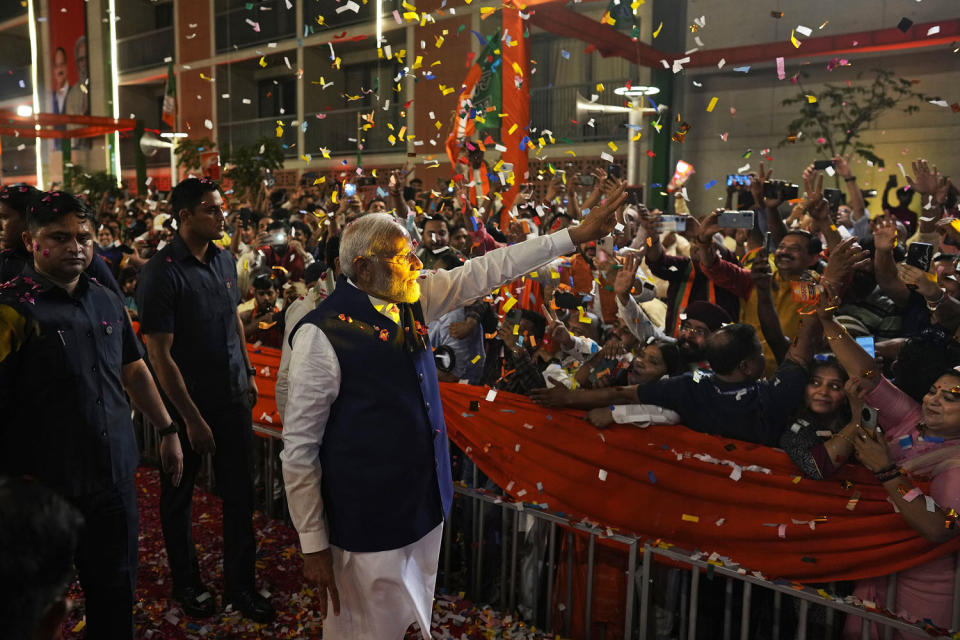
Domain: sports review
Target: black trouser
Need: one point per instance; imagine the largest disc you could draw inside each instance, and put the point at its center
(232, 432)
(107, 559)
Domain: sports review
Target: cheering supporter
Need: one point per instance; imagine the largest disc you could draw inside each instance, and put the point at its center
(674, 321)
(906, 443)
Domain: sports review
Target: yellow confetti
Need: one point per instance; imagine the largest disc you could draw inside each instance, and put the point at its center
(320, 180)
(411, 15)
(325, 152)
(637, 137)
(797, 479)
(418, 62)
(263, 61)
(509, 304)
(517, 70)
(713, 103)
(486, 12)
(689, 518)
(811, 99)
(657, 32)
(476, 359)
(279, 131)
(439, 42)
(306, 157)
(793, 39)
(512, 128)
(573, 153)
(599, 87)
(612, 146)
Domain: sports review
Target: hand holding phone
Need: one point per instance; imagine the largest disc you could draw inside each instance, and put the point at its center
(735, 219)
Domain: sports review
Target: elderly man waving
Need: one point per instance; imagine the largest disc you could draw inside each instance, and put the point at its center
(364, 415)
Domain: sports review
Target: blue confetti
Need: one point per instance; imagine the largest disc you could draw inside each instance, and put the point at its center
(303, 126)
(709, 184)
(906, 442)
(565, 54)
(466, 415)
(382, 192)
(652, 476)
(742, 69)
(480, 38)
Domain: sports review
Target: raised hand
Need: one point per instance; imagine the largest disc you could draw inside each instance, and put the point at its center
(844, 258)
(708, 227)
(627, 276)
(556, 329)
(602, 218)
(842, 165)
(917, 279)
(757, 180)
(885, 235)
(926, 178)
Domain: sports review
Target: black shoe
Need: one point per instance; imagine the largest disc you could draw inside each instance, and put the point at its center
(197, 602)
(252, 605)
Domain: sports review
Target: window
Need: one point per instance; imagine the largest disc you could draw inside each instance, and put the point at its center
(277, 97)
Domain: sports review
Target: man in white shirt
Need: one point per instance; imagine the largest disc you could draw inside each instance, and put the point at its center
(364, 410)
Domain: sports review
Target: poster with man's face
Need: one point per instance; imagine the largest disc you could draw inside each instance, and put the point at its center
(69, 89)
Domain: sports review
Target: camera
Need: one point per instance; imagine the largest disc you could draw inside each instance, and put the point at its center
(673, 223)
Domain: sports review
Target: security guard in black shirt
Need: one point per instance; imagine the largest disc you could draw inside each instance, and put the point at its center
(67, 355)
(15, 200)
(187, 297)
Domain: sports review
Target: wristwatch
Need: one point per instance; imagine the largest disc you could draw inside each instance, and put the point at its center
(172, 428)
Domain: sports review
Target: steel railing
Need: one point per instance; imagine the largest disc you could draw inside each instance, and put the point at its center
(641, 556)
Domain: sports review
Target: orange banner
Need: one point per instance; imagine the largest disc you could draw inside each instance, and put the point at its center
(515, 91)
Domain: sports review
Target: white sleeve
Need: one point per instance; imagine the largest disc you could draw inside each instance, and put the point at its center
(295, 312)
(314, 385)
(442, 291)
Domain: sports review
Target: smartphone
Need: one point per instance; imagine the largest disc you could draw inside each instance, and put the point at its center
(613, 171)
(736, 219)
(673, 223)
(920, 255)
(635, 196)
(587, 180)
(774, 188)
(868, 418)
(349, 189)
(834, 197)
(868, 345)
(820, 165)
(768, 244)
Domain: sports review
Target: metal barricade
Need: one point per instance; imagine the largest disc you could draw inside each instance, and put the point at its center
(641, 557)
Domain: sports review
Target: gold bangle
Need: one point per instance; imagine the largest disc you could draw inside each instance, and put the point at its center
(843, 437)
(839, 336)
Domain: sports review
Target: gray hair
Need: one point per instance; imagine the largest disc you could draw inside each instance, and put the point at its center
(369, 234)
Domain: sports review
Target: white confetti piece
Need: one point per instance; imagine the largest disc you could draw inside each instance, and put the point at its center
(722, 62)
(932, 31)
(804, 31)
(606, 157)
(491, 395)
(603, 475)
(208, 124)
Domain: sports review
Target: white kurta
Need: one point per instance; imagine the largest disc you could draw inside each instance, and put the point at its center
(383, 592)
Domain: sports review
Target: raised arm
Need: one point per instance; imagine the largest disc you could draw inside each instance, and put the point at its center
(854, 195)
(443, 291)
(852, 357)
(884, 266)
(767, 313)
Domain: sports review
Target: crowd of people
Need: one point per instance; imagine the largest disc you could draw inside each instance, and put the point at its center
(814, 324)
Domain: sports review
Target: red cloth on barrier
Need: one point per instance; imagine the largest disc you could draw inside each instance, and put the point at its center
(267, 363)
(669, 483)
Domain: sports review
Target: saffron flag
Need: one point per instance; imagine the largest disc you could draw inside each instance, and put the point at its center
(170, 99)
(515, 125)
(480, 92)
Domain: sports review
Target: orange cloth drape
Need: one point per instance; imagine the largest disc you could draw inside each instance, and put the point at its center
(669, 483)
(515, 92)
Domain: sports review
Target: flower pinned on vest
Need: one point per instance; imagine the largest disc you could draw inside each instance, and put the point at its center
(345, 318)
(421, 328)
(384, 335)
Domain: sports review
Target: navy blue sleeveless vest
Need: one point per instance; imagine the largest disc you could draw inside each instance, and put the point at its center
(386, 467)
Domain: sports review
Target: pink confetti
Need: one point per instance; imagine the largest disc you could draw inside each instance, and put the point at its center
(781, 71)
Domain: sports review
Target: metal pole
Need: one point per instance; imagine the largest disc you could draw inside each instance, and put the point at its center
(588, 610)
(269, 472)
(831, 614)
(633, 146)
(631, 575)
(777, 602)
(745, 611)
(513, 561)
(864, 629)
(802, 621)
(567, 621)
(447, 541)
(139, 160)
(551, 569)
(504, 527)
(645, 590)
(684, 605)
(694, 597)
(891, 603)
(478, 573)
(727, 609)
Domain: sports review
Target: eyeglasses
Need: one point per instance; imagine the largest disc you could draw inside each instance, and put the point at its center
(689, 328)
(408, 259)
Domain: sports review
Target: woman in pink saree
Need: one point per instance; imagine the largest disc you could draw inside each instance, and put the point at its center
(913, 443)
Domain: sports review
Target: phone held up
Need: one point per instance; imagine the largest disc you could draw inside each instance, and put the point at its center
(736, 219)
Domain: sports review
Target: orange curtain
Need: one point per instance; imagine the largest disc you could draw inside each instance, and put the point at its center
(673, 484)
